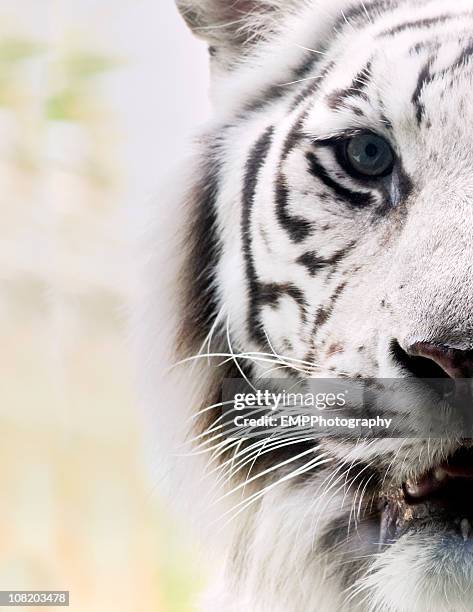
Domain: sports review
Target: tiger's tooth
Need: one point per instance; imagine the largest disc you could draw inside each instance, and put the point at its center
(465, 528)
(412, 488)
(440, 474)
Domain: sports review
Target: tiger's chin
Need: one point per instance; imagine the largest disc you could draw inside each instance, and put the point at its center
(426, 542)
(428, 569)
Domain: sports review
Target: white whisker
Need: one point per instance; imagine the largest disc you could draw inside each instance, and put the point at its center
(234, 358)
(312, 78)
(245, 504)
(267, 471)
(311, 50)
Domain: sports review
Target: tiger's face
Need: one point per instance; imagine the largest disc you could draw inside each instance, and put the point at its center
(331, 220)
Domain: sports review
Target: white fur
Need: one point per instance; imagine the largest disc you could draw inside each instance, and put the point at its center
(420, 267)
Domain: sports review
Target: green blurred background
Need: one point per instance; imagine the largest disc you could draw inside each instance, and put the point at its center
(80, 89)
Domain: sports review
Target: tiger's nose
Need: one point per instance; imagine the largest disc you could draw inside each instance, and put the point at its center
(430, 360)
(456, 363)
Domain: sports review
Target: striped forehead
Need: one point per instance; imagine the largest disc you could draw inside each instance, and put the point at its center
(386, 78)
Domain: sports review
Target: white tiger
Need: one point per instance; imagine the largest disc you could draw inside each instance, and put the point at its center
(324, 224)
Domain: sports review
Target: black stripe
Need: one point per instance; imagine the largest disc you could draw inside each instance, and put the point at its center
(337, 98)
(386, 122)
(364, 13)
(312, 87)
(270, 293)
(259, 102)
(202, 247)
(322, 315)
(426, 76)
(324, 312)
(431, 45)
(464, 55)
(254, 164)
(357, 199)
(356, 111)
(419, 23)
(314, 263)
(297, 227)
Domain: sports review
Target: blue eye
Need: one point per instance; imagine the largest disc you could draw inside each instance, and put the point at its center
(369, 155)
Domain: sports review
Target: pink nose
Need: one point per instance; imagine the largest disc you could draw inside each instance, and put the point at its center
(455, 363)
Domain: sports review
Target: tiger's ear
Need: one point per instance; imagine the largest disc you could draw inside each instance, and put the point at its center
(231, 27)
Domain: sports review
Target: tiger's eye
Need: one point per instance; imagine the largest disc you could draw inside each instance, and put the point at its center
(369, 155)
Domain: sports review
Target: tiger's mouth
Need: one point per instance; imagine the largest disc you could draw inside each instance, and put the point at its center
(440, 500)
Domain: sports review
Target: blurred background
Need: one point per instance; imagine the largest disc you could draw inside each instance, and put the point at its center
(97, 100)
